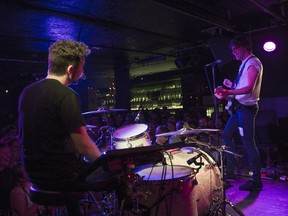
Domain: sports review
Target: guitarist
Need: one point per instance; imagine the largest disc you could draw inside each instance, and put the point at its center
(246, 91)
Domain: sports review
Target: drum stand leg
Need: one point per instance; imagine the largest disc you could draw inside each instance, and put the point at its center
(220, 209)
(110, 202)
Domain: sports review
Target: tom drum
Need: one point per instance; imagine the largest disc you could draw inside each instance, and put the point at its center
(131, 136)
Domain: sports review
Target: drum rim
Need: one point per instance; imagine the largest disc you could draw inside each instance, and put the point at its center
(161, 166)
(131, 138)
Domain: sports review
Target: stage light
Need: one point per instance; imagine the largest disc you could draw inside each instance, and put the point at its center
(269, 46)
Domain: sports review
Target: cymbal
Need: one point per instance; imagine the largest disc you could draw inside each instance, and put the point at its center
(90, 126)
(185, 131)
(103, 111)
(209, 145)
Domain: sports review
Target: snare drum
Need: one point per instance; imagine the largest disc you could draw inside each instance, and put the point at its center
(131, 136)
(190, 189)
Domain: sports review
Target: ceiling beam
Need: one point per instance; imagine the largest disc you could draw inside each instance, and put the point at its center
(276, 16)
(199, 13)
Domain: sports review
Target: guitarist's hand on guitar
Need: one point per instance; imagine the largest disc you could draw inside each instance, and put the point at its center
(221, 92)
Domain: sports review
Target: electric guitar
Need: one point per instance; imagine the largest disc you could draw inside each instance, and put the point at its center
(230, 106)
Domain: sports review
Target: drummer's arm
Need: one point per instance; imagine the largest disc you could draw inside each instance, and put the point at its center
(84, 145)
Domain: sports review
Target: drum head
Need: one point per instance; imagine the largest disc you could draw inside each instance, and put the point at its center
(157, 172)
(129, 131)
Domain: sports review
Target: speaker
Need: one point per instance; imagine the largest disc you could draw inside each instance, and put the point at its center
(221, 50)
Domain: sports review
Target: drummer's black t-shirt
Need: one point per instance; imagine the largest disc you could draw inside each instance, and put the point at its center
(48, 111)
(6, 185)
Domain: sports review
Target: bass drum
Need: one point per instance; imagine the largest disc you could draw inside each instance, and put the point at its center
(178, 189)
(131, 136)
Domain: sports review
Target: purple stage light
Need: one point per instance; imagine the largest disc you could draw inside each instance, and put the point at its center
(269, 46)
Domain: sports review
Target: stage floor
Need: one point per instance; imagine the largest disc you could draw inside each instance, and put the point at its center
(271, 200)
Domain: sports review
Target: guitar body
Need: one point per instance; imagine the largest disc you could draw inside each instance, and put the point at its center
(220, 93)
(230, 106)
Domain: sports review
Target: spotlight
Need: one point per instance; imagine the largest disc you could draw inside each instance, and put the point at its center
(269, 46)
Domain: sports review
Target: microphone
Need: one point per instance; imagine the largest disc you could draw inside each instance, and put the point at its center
(137, 118)
(193, 159)
(83, 76)
(218, 61)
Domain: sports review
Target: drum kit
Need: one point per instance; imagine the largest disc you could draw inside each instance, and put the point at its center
(173, 179)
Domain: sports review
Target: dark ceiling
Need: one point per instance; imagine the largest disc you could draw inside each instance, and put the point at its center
(133, 32)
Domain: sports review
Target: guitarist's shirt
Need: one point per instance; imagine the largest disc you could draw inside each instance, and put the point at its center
(253, 97)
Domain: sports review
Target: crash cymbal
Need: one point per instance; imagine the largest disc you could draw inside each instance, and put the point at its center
(171, 133)
(185, 131)
(90, 126)
(103, 111)
(233, 153)
(209, 145)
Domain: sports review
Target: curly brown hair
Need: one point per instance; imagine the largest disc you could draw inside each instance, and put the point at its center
(64, 53)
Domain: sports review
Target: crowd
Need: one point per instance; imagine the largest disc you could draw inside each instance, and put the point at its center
(14, 185)
(168, 121)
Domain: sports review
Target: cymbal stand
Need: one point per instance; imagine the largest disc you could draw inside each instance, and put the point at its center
(110, 130)
(221, 207)
(101, 141)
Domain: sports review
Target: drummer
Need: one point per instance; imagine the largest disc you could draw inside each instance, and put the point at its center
(51, 127)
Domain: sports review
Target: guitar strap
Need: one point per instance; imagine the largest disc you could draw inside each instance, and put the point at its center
(236, 81)
(231, 105)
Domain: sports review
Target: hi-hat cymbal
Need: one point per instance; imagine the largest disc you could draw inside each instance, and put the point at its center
(103, 111)
(185, 131)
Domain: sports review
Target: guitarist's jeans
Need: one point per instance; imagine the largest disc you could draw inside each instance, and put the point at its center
(243, 122)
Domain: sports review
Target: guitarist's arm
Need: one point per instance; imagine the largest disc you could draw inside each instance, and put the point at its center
(251, 73)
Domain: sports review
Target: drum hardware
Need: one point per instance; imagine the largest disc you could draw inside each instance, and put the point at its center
(110, 203)
(187, 178)
(221, 207)
(193, 160)
(103, 110)
(198, 164)
(217, 188)
(101, 141)
(209, 166)
(90, 199)
(129, 143)
(189, 131)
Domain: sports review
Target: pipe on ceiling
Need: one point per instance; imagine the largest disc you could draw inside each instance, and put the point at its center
(276, 16)
(198, 13)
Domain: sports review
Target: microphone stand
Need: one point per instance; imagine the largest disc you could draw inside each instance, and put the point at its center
(216, 111)
(221, 207)
(214, 97)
